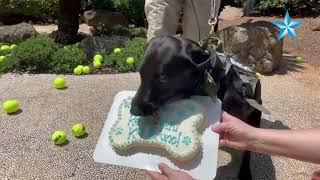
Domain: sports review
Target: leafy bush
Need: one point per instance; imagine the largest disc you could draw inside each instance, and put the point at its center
(34, 54)
(131, 31)
(98, 4)
(132, 9)
(134, 48)
(306, 7)
(67, 58)
(28, 7)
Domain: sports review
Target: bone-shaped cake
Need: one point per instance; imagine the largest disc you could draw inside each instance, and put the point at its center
(178, 131)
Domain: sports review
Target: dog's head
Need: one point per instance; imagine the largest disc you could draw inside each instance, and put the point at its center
(167, 73)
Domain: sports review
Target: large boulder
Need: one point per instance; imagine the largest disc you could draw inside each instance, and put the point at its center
(94, 18)
(253, 44)
(316, 24)
(102, 45)
(16, 33)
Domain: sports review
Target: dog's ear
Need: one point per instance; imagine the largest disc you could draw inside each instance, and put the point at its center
(258, 106)
(196, 53)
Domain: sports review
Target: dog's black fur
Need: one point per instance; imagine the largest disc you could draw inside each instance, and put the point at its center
(167, 74)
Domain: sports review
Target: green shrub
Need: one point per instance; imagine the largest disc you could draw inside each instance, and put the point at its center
(306, 7)
(28, 7)
(67, 58)
(34, 54)
(101, 4)
(130, 31)
(134, 48)
(132, 9)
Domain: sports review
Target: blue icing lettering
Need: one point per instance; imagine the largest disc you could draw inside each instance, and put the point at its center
(118, 131)
(127, 103)
(133, 120)
(132, 133)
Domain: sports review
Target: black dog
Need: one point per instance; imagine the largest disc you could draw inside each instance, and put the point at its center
(175, 68)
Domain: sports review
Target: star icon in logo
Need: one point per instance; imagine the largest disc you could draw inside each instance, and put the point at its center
(287, 27)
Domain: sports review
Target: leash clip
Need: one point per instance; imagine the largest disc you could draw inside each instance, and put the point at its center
(212, 23)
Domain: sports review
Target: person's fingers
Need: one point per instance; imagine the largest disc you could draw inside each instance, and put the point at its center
(231, 144)
(219, 128)
(156, 175)
(165, 169)
(226, 117)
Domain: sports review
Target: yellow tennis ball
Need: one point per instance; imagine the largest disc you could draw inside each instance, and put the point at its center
(77, 71)
(80, 67)
(86, 70)
(117, 50)
(59, 137)
(258, 75)
(59, 83)
(298, 59)
(98, 57)
(130, 60)
(5, 48)
(3, 58)
(13, 46)
(97, 64)
(78, 130)
(11, 106)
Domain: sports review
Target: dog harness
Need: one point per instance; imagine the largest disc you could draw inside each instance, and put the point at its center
(220, 62)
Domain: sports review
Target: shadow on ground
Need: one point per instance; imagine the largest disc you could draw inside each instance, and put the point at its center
(287, 64)
(261, 165)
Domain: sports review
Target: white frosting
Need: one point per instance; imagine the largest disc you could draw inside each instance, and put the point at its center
(177, 131)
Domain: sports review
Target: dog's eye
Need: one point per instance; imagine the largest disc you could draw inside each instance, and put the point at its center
(163, 78)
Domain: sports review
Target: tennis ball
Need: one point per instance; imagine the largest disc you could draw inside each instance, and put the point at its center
(298, 59)
(5, 48)
(3, 58)
(11, 106)
(98, 57)
(59, 83)
(86, 70)
(258, 75)
(96, 64)
(78, 130)
(116, 50)
(80, 67)
(78, 71)
(59, 137)
(130, 60)
(13, 46)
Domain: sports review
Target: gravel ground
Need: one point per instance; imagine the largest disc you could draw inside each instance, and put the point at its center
(27, 153)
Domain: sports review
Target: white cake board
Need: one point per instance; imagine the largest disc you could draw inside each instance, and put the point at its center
(204, 167)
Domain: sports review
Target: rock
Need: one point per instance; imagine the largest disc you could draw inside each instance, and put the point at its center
(102, 45)
(94, 18)
(254, 44)
(316, 24)
(16, 33)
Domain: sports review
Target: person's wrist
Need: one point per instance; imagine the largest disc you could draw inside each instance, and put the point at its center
(253, 139)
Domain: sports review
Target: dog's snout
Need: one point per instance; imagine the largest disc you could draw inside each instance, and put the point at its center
(142, 109)
(135, 110)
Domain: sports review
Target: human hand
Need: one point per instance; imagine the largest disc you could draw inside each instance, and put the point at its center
(168, 173)
(234, 133)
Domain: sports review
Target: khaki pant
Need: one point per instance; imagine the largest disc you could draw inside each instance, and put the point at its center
(163, 18)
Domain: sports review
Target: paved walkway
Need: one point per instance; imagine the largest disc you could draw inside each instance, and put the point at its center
(27, 153)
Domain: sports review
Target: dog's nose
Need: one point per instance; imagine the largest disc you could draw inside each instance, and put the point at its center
(136, 111)
(142, 110)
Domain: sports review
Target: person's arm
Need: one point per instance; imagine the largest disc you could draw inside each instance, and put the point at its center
(301, 144)
(297, 144)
